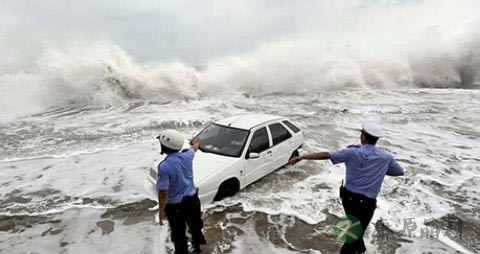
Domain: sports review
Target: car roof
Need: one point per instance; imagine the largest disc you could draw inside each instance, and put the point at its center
(248, 121)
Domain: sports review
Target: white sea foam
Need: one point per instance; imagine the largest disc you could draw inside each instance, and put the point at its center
(101, 109)
(438, 150)
(101, 73)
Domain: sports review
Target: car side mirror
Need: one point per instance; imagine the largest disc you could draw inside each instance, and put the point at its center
(253, 155)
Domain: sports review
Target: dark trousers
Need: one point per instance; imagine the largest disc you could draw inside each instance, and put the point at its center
(188, 212)
(362, 208)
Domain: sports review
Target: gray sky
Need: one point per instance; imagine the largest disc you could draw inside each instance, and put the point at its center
(195, 32)
(191, 31)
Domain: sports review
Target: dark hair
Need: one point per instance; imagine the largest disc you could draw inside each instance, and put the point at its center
(167, 150)
(369, 138)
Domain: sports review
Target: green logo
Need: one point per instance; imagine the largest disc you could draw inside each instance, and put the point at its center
(347, 229)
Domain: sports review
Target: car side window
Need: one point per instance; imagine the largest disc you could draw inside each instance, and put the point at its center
(291, 126)
(279, 133)
(259, 141)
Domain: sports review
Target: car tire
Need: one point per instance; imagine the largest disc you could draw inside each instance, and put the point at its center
(227, 189)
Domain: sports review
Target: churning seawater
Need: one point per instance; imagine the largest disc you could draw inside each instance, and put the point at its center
(78, 127)
(73, 179)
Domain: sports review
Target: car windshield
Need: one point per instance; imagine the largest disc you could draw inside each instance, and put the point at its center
(223, 140)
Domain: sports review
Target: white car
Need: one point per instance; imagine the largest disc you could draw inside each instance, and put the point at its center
(239, 150)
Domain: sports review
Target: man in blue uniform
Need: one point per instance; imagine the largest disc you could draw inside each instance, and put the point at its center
(366, 167)
(177, 195)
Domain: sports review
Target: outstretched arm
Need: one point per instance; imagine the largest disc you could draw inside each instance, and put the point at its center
(394, 169)
(311, 156)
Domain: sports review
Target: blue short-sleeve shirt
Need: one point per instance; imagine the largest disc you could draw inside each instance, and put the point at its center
(175, 175)
(366, 168)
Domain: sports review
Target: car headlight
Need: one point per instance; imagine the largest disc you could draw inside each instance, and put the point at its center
(153, 174)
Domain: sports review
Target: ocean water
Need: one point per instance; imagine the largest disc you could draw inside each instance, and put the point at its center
(78, 121)
(74, 177)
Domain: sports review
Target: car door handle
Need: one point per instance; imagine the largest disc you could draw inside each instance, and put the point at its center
(269, 152)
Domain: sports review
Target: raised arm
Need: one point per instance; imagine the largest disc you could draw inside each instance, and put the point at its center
(196, 144)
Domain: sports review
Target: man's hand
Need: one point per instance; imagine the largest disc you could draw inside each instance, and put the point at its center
(294, 160)
(161, 216)
(196, 144)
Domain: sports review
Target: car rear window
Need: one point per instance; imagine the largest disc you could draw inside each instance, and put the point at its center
(279, 133)
(291, 126)
(259, 141)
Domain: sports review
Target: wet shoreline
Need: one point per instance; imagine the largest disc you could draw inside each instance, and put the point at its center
(226, 226)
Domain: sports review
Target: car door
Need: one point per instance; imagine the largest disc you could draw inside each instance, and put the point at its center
(256, 168)
(282, 145)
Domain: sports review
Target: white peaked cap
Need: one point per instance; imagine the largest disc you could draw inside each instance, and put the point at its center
(372, 129)
(172, 139)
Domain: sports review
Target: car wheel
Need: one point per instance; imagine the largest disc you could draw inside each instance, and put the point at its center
(227, 189)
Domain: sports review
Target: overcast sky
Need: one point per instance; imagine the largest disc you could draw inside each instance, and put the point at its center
(198, 31)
